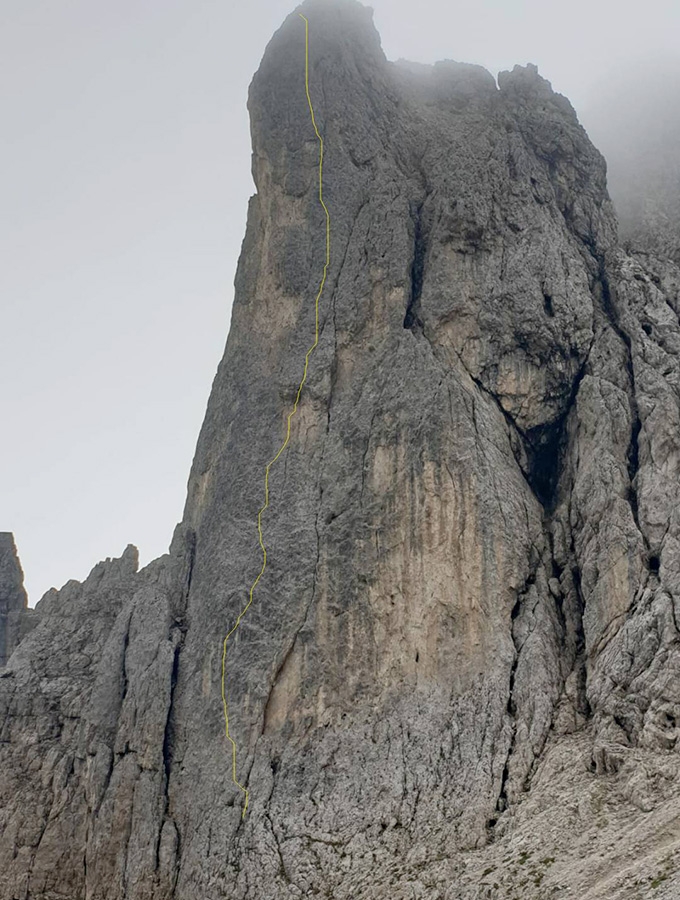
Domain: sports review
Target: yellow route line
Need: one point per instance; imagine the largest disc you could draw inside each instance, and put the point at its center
(283, 446)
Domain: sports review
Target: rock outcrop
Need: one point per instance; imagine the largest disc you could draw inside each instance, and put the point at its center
(460, 674)
(13, 601)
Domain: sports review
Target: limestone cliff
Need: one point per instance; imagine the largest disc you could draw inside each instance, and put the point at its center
(13, 598)
(460, 675)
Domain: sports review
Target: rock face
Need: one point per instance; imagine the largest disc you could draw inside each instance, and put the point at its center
(13, 600)
(460, 674)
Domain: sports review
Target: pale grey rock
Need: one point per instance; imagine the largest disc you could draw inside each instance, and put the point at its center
(459, 676)
(86, 734)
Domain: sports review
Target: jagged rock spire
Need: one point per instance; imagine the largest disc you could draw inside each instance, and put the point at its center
(13, 600)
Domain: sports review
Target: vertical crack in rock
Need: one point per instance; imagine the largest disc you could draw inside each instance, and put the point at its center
(511, 709)
(282, 873)
(545, 446)
(633, 452)
(123, 656)
(169, 726)
(571, 619)
(412, 318)
(502, 801)
(580, 659)
(177, 637)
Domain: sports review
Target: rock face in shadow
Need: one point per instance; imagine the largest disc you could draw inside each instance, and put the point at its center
(466, 630)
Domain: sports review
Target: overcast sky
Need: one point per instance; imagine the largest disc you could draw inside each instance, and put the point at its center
(125, 174)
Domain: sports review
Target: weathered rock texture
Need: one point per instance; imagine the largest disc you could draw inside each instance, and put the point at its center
(459, 678)
(13, 600)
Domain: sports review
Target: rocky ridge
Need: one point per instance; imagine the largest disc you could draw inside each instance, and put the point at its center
(460, 677)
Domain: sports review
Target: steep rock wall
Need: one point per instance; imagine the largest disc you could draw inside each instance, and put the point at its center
(13, 600)
(472, 537)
